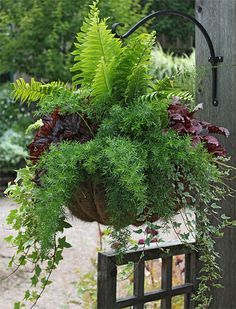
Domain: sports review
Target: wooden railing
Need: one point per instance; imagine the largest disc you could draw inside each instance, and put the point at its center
(107, 278)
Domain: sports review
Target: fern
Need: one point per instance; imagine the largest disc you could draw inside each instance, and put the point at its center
(136, 54)
(27, 91)
(102, 87)
(34, 126)
(137, 83)
(153, 96)
(168, 88)
(95, 42)
(183, 95)
(35, 91)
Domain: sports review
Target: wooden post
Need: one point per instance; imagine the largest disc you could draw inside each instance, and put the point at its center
(219, 18)
(166, 283)
(106, 288)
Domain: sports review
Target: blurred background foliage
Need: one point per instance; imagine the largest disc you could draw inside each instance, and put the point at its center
(43, 32)
(14, 119)
(36, 36)
(175, 33)
(36, 39)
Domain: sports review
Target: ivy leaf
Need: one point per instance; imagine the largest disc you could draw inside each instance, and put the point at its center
(176, 225)
(153, 226)
(27, 294)
(63, 244)
(233, 223)
(139, 231)
(63, 225)
(134, 248)
(9, 238)
(34, 280)
(22, 260)
(58, 257)
(66, 225)
(224, 217)
(215, 206)
(45, 281)
(17, 305)
(12, 216)
(11, 261)
(38, 270)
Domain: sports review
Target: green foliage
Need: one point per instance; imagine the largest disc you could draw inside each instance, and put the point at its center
(55, 190)
(174, 28)
(43, 32)
(35, 91)
(135, 57)
(24, 220)
(145, 167)
(94, 36)
(12, 150)
(128, 12)
(166, 64)
(87, 287)
(177, 76)
(12, 115)
(34, 126)
(14, 119)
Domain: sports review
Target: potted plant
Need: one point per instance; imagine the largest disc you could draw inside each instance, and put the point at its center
(115, 147)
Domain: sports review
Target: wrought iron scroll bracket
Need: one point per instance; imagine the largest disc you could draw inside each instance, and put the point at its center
(213, 59)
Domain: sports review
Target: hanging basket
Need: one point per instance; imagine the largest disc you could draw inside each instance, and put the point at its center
(89, 204)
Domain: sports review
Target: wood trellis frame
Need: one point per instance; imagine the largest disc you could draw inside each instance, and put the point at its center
(107, 278)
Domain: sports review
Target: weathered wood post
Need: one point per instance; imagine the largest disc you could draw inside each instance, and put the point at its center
(219, 18)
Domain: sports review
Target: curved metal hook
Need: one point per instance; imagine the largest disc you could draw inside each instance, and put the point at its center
(212, 59)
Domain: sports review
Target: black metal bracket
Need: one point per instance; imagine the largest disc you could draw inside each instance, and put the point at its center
(213, 59)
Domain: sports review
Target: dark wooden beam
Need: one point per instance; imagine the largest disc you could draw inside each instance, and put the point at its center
(219, 19)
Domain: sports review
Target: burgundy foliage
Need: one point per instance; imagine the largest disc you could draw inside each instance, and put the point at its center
(153, 232)
(57, 128)
(182, 120)
(142, 241)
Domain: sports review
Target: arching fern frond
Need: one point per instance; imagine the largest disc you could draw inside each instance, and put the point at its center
(34, 126)
(153, 96)
(94, 43)
(27, 91)
(102, 87)
(168, 88)
(34, 90)
(183, 95)
(135, 55)
(136, 83)
(168, 94)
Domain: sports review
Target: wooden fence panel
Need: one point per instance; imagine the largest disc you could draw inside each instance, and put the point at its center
(107, 278)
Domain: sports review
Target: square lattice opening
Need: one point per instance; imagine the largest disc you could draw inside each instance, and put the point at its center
(152, 275)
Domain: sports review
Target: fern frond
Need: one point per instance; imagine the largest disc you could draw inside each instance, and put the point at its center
(137, 83)
(34, 126)
(35, 91)
(27, 91)
(102, 87)
(153, 96)
(136, 54)
(183, 95)
(94, 43)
